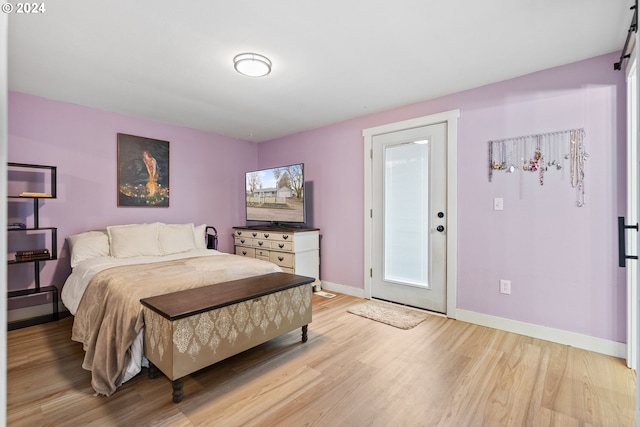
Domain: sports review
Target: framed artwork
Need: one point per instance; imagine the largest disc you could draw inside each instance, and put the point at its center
(143, 171)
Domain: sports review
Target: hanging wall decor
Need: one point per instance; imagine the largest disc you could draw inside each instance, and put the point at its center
(541, 153)
(143, 171)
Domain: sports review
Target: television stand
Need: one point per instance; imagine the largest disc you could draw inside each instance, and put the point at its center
(294, 249)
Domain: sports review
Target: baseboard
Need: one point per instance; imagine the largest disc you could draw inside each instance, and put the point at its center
(585, 342)
(342, 289)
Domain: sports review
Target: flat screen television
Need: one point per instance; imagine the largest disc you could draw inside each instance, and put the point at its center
(276, 195)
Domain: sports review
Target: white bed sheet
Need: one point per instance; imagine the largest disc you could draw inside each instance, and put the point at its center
(82, 274)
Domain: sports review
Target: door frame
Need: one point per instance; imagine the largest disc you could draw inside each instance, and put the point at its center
(450, 118)
(633, 322)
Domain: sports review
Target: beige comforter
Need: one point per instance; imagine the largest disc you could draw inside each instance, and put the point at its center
(109, 316)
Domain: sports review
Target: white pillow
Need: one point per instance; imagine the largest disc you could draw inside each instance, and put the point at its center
(134, 240)
(176, 238)
(87, 245)
(198, 232)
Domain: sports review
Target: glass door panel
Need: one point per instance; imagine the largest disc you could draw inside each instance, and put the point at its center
(406, 213)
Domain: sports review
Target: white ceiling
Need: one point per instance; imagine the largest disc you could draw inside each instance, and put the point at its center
(171, 61)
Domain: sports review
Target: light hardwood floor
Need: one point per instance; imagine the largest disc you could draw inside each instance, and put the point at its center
(352, 372)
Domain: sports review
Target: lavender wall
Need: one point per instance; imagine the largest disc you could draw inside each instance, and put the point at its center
(561, 259)
(207, 174)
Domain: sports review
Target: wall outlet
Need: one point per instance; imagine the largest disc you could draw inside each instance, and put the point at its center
(498, 204)
(505, 287)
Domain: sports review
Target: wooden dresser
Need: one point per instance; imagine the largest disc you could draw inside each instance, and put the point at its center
(295, 250)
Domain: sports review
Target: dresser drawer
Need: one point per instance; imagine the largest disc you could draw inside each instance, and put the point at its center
(248, 252)
(283, 246)
(283, 259)
(281, 237)
(262, 253)
(261, 243)
(243, 241)
(242, 233)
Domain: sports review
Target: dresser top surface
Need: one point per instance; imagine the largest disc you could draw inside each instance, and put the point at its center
(276, 228)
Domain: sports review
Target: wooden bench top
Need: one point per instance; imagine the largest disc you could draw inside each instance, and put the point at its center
(177, 305)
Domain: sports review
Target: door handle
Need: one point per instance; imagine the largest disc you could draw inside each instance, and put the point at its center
(622, 243)
(440, 228)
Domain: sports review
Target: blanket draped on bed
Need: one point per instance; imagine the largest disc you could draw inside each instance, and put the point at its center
(109, 317)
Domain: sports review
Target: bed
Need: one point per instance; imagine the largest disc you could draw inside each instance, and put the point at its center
(113, 269)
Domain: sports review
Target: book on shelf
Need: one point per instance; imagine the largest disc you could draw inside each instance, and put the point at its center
(32, 257)
(28, 194)
(33, 252)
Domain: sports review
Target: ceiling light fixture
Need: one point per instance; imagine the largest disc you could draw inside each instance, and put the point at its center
(252, 64)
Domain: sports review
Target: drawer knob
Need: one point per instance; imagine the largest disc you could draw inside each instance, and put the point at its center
(244, 252)
(242, 241)
(266, 235)
(260, 243)
(281, 245)
(285, 236)
(280, 258)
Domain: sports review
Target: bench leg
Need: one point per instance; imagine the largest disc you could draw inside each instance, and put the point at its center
(177, 390)
(154, 372)
(305, 328)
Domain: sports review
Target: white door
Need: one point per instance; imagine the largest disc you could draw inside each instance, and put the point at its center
(409, 217)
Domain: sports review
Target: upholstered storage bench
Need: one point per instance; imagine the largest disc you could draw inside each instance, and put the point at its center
(189, 330)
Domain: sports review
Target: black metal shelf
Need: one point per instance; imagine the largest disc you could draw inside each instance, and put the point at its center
(13, 261)
(53, 171)
(55, 315)
(38, 289)
(31, 197)
(32, 229)
(54, 244)
(40, 319)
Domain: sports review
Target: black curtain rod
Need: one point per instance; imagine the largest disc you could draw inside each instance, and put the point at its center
(632, 29)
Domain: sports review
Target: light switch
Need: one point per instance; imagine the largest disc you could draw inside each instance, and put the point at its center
(498, 204)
